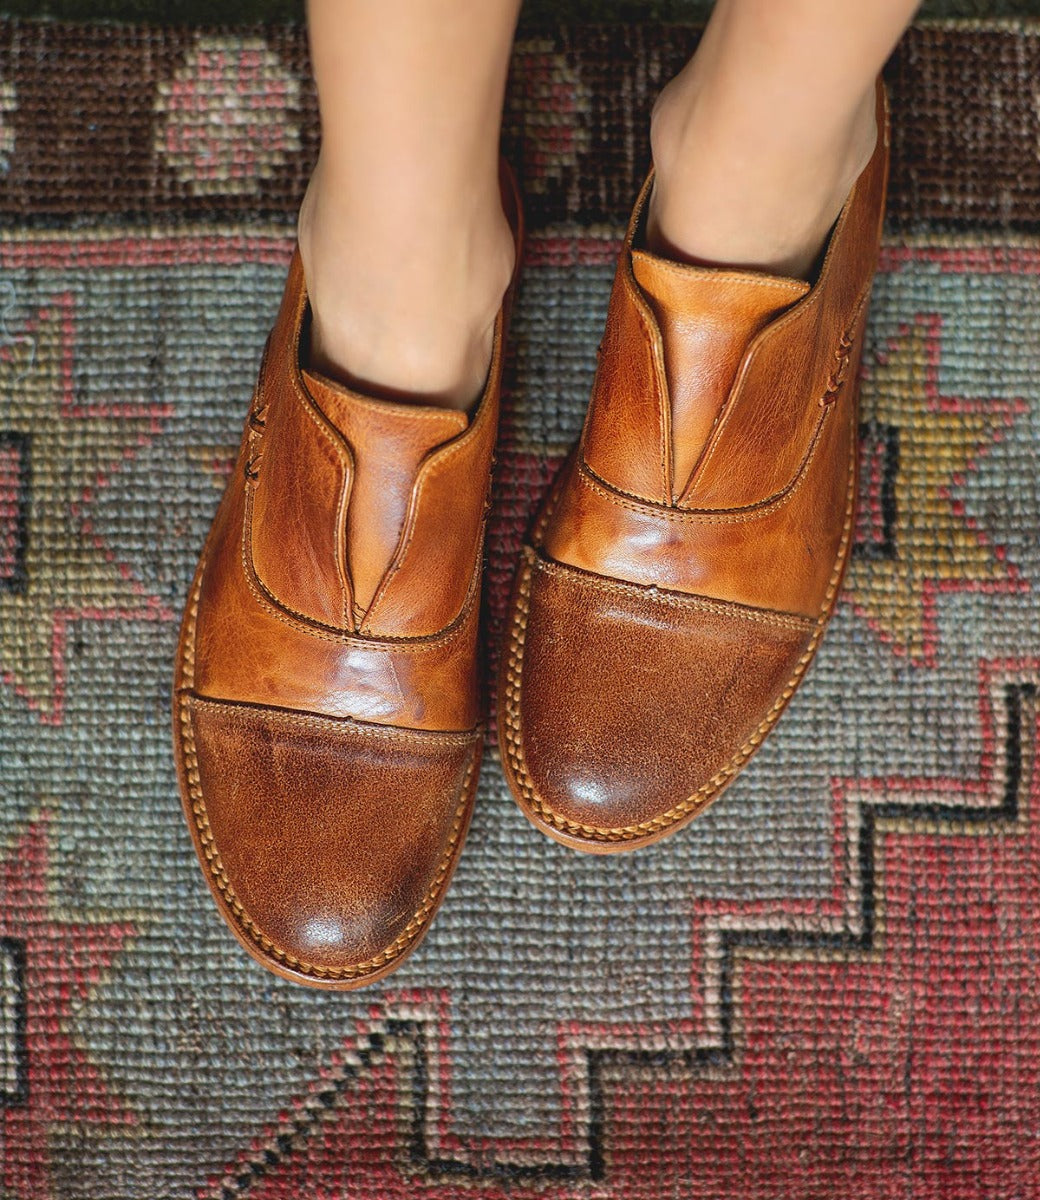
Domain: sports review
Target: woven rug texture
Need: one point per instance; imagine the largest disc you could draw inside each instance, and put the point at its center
(825, 988)
(533, 13)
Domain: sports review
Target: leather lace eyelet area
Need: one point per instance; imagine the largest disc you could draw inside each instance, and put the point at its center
(257, 422)
(840, 373)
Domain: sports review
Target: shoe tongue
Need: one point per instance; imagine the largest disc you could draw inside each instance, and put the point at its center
(389, 441)
(707, 319)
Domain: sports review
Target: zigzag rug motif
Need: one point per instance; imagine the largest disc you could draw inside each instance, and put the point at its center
(879, 827)
(826, 987)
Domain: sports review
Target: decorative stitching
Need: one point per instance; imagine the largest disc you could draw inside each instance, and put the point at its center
(430, 470)
(476, 555)
(736, 392)
(838, 376)
(334, 724)
(681, 271)
(420, 918)
(306, 625)
(216, 867)
(704, 794)
(674, 600)
(341, 460)
(652, 335)
(589, 477)
(335, 439)
(431, 467)
(403, 412)
(193, 609)
(722, 516)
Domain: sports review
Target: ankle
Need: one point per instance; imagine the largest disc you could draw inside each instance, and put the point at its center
(403, 303)
(749, 189)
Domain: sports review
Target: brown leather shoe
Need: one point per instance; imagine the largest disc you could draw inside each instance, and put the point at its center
(685, 564)
(327, 718)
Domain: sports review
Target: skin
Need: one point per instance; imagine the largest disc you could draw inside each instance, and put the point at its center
(406, 251)
(759, 138)
(405, 248)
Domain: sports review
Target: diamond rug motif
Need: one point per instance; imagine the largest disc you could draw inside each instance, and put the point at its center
(825, 987)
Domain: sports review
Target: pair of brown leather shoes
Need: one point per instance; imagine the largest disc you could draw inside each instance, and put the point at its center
(327, 717)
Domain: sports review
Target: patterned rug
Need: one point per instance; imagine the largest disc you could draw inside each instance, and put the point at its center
(825, 988)
(534, 14)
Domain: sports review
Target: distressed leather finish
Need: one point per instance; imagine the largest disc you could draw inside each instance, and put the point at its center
(689, 555)
(326, 710)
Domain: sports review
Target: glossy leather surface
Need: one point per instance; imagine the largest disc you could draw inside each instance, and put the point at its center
(326, 709)
(688, 558)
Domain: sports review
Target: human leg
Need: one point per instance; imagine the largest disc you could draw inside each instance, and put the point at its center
(759, 137)
(404, 243)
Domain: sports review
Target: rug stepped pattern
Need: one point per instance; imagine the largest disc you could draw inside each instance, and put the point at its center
(825, 987)
(50, 963)
(874, 888)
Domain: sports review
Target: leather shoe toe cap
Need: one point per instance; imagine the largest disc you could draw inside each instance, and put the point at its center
(634, 706)
(329, 842)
